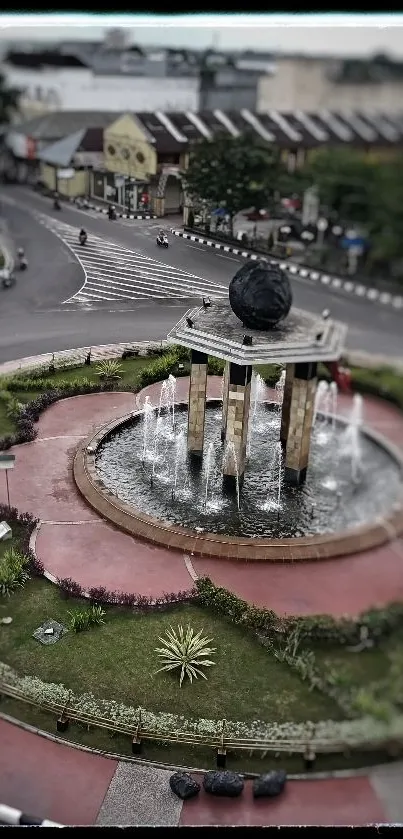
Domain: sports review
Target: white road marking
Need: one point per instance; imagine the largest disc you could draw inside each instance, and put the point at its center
(113, 272)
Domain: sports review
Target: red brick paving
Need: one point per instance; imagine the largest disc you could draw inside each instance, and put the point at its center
(347, 585)
(50, 780)
(98, 555)
(80, 415)
(335, 801)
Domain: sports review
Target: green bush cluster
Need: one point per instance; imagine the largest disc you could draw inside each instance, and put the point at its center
(83, 619)
(319, 628)
(21, 384)
(13, 571)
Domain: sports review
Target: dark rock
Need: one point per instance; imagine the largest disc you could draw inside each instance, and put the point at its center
(183, 785)
(223, 783)
(260, 294)
(270, 784)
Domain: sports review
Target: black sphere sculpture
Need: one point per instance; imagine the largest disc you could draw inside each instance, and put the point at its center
(260, 294)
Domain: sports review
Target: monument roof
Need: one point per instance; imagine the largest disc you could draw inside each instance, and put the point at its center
(301, 337)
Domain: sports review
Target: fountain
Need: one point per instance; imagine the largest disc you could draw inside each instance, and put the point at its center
(353, 437)
(256, 454)
(209, 469)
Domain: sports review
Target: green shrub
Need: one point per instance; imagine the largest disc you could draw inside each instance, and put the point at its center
(319, 628)
(13, 571)
(14, 407)
(83, 619)
(167, 364)
(215, 366)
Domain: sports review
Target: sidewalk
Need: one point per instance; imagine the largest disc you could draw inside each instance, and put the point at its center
(75, 787)
(383, 298)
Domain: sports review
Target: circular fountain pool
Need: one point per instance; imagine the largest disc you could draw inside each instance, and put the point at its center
(146, 467)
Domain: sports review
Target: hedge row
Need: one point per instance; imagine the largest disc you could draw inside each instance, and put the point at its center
(322, 628)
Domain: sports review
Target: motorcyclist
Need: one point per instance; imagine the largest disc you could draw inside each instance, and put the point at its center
(82, 236)
(112, 212)
(22, 260)
(161, 235)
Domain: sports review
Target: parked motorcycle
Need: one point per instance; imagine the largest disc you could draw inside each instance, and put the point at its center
(162, 242)
(82, 237)
(112, 213)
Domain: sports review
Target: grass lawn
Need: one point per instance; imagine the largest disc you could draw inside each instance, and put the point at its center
(130, 370)
(117, 661)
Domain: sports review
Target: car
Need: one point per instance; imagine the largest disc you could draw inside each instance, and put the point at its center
(257, 215)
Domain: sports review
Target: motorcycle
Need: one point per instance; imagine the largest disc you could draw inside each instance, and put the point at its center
(8, 279)
(82, 238)
(162, 242)
(111, 214)
(22, 261)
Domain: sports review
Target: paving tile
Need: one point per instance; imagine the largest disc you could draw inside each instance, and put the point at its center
(140, 796)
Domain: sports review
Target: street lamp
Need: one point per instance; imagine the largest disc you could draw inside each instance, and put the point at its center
(7, 461)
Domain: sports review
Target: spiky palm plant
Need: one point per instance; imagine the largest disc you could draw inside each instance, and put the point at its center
(186, 650)
(109, 370)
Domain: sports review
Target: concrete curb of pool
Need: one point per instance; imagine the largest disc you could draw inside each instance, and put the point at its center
(217, 546)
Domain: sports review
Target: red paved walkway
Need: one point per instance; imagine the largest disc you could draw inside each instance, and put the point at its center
(38, 776)
(54, 781)
(74, 542)
(335, 801)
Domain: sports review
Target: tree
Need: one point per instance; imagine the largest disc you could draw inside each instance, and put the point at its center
(385, 224)
(233, 172)
(345, 181)
(9, 97)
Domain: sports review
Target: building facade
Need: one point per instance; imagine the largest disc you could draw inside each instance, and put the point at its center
(312, 84)
(143, 153)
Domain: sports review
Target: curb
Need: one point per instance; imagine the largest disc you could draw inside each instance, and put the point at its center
(172, 767)
(79, 354)
(357, 289)
(104, 351)
(86, 205)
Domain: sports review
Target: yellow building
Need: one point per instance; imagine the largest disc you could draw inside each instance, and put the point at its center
(129, 163)
(65, 166)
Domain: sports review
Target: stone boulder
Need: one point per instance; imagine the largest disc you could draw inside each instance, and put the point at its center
(270, 784)
(183, 785)
(260, 294)
(223, 783)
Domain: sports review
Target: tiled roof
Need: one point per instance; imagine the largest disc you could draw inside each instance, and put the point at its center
(58, 124)
(172, 132)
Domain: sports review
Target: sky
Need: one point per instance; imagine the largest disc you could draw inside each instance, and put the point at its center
(308, 34)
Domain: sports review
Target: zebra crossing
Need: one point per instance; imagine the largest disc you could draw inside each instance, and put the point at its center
(115, 273)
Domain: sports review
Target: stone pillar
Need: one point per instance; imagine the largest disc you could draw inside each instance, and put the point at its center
(286, 407)
(236, 431)
(300, 423)
(225, 400)
(197, 402)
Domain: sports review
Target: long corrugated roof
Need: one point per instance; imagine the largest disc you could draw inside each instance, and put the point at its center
(172, 132)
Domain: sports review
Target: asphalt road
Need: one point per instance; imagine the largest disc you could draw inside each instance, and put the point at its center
(33, 320)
